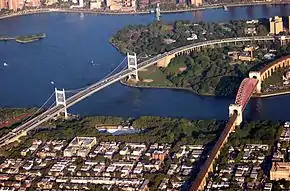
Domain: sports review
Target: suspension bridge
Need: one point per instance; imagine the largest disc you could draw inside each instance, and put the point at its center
(246, 90)
(62, 104)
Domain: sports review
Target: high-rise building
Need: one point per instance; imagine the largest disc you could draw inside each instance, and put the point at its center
(13, 5)
(32, 3)
(108, 3)
(3, 4)
(196, 3)
(35, 3)
(95, 4)
(81, 3)
(276, 25)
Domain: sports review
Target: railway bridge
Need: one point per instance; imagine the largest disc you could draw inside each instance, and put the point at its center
(247, 87)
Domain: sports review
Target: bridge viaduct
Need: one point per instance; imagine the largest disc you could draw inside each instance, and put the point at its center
(247, 88)
(166, 58)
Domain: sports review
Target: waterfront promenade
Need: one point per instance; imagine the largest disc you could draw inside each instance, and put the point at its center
(106, 12)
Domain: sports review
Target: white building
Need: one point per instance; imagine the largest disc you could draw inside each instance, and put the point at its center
(81, 3)
(95, 4)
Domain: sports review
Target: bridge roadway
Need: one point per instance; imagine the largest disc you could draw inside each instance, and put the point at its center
(207, 166)
(34, 122)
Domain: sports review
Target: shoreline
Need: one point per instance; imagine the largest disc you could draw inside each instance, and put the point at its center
(89, 11)
(203, 95)
(172, 88)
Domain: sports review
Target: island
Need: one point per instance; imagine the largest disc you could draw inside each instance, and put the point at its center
(24, 39)
(30, 38)
(159, 37)
(215, 70)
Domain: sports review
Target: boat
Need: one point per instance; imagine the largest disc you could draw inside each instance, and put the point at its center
(5, 64)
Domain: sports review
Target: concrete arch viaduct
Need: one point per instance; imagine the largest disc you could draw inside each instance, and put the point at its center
(167, 56)
(268, 70)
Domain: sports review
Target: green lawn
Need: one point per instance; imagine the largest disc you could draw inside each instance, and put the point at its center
(156, 75)
(175, 68)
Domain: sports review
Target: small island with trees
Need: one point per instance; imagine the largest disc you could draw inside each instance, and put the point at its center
(24, 39)
(30, 38)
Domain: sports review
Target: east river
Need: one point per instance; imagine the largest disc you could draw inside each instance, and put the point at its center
(74, 41)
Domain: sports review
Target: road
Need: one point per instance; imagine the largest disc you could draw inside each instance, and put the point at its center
(83, 10)
(34, 122)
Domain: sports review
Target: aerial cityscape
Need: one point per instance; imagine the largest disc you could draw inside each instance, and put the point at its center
(144, 95)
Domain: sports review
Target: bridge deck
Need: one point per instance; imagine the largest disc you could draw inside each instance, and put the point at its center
(245, 91)
(209, 161)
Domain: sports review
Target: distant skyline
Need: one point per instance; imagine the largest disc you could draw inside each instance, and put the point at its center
(18, 4)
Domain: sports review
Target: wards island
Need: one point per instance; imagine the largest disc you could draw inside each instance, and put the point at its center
(166, 153)
(208, 58)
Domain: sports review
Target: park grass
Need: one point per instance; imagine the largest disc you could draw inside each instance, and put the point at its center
(155, 74)
(175, 68)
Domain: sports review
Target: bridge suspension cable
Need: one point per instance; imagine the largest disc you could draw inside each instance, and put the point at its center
(39, 109)
(53, 104)
(80, 89)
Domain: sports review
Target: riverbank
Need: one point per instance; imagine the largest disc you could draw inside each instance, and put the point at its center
(209, 95)
(161, 87)
(10, 116)
(89, 11)
(271, 94)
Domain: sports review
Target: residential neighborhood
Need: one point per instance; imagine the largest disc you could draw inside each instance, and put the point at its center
(84, 162)
(95, 163)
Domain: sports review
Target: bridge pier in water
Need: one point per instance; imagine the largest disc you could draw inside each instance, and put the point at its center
(60, 100)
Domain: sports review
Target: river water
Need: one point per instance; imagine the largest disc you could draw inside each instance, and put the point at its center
(74, 41)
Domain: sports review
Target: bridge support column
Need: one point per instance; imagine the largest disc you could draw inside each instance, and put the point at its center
(235, 108)
(132, 64)
(257, 75)
(60, 100)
